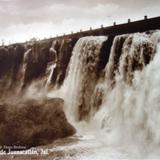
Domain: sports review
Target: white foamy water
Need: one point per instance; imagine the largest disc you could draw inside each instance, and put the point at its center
(127, 123)
(51, 69)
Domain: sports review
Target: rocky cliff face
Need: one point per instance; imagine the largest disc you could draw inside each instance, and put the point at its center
(21, 64)
(11, 62)
(36, 59)
(64, 53)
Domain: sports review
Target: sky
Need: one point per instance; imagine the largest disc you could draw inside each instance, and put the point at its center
(21, 20)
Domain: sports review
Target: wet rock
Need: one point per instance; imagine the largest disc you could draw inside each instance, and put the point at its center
(36, 59)
(64, 52)
(11, 60)
(33, 122)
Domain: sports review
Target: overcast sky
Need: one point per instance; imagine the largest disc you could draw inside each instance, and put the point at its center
(21, 20)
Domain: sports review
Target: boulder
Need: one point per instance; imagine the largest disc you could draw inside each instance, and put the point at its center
(33, 122)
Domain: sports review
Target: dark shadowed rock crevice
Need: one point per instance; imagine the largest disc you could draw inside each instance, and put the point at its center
(105, 53)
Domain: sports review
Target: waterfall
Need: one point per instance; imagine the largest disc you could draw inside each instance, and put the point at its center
(130, 108)
(122, 101)
(62, 51)
(109, 84)
(82, 76)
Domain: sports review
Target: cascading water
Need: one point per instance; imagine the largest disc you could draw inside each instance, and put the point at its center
(128, 112)
(136, 52)
(51, 70)
(82, 76)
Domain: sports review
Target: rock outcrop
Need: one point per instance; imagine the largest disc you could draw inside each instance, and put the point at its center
(33, 122)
